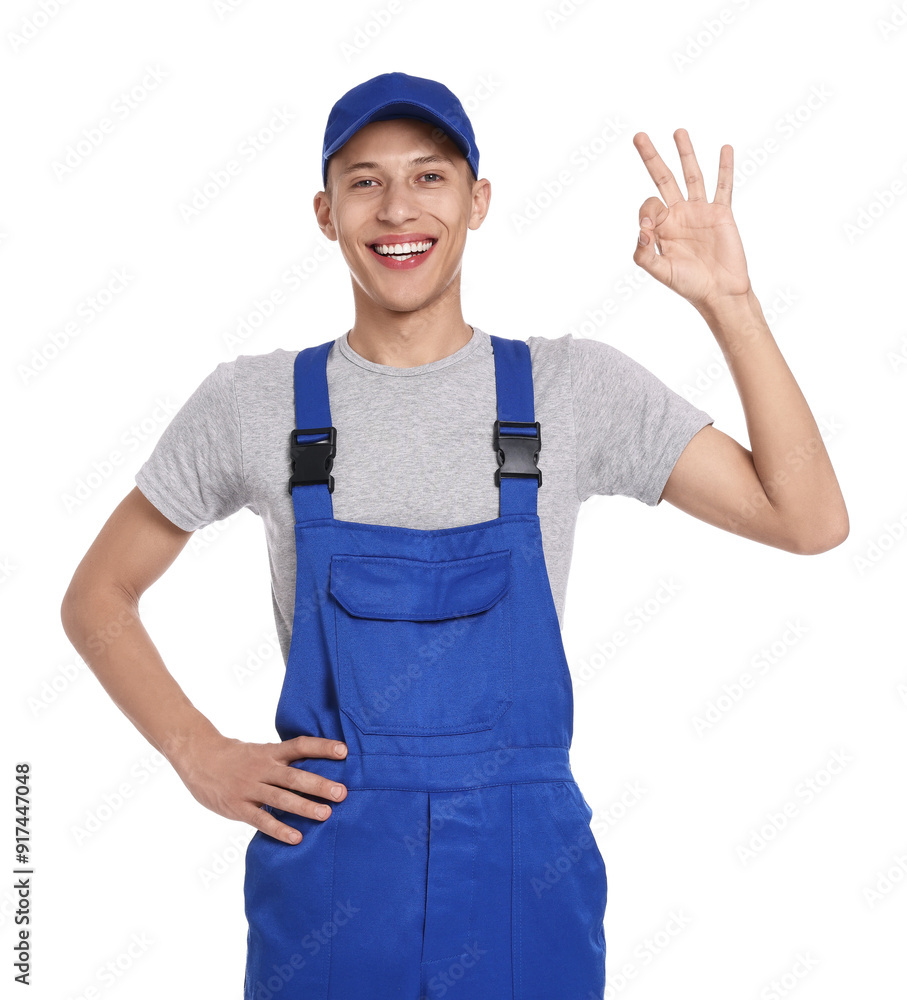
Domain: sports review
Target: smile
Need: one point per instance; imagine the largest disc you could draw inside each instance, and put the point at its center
(395, 255)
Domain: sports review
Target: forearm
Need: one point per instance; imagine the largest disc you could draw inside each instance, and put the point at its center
(104, 626)
(788, 452)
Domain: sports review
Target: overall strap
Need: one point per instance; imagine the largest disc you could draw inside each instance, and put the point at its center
(313, 442)
(517, 434)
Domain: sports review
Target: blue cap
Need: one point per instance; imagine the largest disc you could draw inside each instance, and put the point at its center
(398, 95)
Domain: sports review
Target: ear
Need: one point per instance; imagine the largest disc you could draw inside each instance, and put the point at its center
(481, 200)
(322, 206)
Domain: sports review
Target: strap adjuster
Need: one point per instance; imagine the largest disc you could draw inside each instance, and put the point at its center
(518, 459)
(312, 462)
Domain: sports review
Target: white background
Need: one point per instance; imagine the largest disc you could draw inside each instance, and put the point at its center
(809, 97)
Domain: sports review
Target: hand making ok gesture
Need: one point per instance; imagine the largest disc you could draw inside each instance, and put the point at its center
(700, 255)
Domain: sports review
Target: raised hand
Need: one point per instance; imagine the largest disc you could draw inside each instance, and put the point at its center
(700, 255)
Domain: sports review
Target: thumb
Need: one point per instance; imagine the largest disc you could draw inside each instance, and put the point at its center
(645, 254)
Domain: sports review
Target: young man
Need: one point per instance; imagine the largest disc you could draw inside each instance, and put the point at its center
(420, 795)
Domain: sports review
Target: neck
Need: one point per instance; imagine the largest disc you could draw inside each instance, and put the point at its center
(408, 339)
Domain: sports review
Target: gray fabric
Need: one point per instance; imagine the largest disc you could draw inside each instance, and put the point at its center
(414, 445)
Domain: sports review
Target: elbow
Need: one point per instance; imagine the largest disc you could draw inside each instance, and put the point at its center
(66, 610)
(94, 615)
(71, 613)
(818, 538)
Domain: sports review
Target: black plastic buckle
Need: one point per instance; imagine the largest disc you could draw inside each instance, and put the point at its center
(521, 458)
(313, 466)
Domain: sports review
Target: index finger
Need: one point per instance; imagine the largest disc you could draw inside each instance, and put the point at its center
(301, 747)
(658, 169)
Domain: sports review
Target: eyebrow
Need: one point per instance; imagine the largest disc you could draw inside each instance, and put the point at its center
(418, 161)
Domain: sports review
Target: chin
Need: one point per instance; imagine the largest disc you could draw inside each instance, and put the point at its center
(404, 300)
(402, 305)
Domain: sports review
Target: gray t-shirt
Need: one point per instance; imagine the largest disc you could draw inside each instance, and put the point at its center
(414, 445)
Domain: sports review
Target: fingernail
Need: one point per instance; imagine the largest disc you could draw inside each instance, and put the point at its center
(643, 238)
(321, 811)
(340, 749)
(647, 222)
(336, 791)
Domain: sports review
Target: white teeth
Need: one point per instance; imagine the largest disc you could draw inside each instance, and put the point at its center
(402, 248)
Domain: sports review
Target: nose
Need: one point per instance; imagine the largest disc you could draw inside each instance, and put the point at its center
(398, 203)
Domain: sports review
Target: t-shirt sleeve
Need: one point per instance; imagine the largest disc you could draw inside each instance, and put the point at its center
(630, 427)
(194, 475)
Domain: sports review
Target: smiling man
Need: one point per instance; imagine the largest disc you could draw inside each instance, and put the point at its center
(417, 823)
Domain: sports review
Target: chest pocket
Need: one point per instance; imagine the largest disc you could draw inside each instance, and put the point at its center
(423, 648)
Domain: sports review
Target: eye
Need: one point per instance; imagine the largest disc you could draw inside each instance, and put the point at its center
(435, 176)
(365, 180)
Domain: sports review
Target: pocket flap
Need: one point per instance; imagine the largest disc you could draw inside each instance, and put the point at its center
(393, 587)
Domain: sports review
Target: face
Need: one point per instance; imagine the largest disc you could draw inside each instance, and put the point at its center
(401, 184)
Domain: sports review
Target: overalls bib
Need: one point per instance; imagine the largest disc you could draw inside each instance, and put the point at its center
(462, 860)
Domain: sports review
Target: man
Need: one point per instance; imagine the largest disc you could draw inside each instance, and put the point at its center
(420, 795)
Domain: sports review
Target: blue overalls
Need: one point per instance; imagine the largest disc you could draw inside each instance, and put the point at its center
(462, 862)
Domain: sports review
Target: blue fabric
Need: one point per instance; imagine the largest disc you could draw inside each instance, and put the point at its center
(463, 854)
(398, 95)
